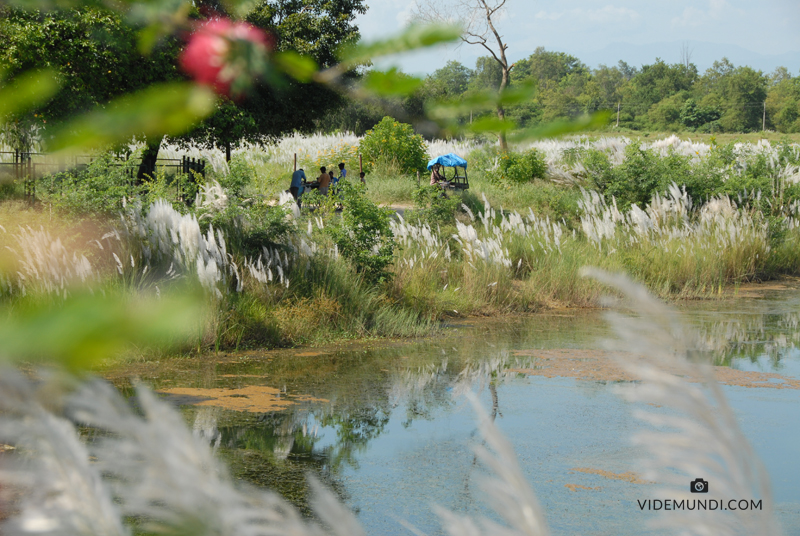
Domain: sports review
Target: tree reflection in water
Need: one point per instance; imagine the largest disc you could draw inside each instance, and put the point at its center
(277, 450)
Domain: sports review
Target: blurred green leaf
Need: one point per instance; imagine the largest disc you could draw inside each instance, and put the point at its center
(416, 36)
(301, 68)
(491, 124)
(158, 19)
(590, 122)
(240, 8)
(391, 83)
(481, 101)
(170, 109)
(86, 328)
(451, 109)
(147, 38)
(26, 91)
(517, 94)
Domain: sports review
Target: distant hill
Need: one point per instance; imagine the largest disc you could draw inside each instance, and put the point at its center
(703, 55)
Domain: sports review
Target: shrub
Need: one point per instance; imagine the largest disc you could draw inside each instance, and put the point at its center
(510, 167)
(364, 235)
(643, 173)
(98, 189)
(433, 206)
(240, 174)
(395, 144)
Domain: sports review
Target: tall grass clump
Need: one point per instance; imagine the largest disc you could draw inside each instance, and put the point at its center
(304, 289)
(506, 261)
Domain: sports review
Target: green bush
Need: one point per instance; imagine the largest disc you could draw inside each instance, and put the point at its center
(642, 174)
(433, 206)
(392, 143)
(364, 235)
(240, 174)
(98, 189)
(510, 167)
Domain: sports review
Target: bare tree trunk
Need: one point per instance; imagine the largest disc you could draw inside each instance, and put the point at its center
(480, 30)
(500, 57)
(501, 113)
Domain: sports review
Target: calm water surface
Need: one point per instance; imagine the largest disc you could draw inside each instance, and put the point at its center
(388, 428)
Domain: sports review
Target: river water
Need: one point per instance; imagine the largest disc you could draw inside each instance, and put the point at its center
(388, 428)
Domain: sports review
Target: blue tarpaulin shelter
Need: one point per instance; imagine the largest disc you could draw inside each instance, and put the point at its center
(448, 160)
(458, 181)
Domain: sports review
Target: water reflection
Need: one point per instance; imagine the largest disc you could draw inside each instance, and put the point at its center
(763, 330)
(342, 407)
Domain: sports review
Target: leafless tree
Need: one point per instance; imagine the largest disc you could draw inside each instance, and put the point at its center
(686, 54)
(478, 18)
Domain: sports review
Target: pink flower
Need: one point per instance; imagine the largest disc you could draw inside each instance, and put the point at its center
(226, 55)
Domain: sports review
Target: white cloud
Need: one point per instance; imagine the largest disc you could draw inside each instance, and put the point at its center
(607, 13)
(693, 16)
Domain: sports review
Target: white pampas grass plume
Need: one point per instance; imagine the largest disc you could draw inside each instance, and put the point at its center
(507, 490)
(703, 439)
(62, 493)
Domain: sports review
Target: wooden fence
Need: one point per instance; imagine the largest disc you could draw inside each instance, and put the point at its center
(27, 167)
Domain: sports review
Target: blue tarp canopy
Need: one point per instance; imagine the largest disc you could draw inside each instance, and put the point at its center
(448, 160)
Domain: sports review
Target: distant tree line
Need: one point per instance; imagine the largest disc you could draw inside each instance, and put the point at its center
(660, 96)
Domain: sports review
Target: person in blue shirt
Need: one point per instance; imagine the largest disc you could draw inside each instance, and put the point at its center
(342, 171)
(298, 178)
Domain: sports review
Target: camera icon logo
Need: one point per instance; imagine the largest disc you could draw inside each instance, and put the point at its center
(698, 485)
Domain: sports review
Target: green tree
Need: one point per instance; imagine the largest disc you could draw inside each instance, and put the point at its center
(93, 51)
(782, 104)
(315, 28)
(740, 93)
(745, 92)
(694, 116)
(666, 113)
(547, 68)
(453, 79)
(609, 83)
(487, 75)
(654, 83)
(95, 55)
(225, 129)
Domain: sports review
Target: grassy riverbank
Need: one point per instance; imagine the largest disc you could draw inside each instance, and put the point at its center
(273, 275)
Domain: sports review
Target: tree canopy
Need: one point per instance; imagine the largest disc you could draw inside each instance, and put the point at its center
(657, 96)
(96, 57)
(92, 50)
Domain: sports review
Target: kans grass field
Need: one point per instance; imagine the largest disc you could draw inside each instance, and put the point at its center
(386, 283)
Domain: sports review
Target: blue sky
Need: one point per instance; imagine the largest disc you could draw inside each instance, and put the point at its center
(595, 31)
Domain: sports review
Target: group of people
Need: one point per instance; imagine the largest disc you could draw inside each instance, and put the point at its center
(324, 182)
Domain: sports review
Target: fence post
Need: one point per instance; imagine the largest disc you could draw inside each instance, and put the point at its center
(360, 164)
(295, 161)
(31, 183)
